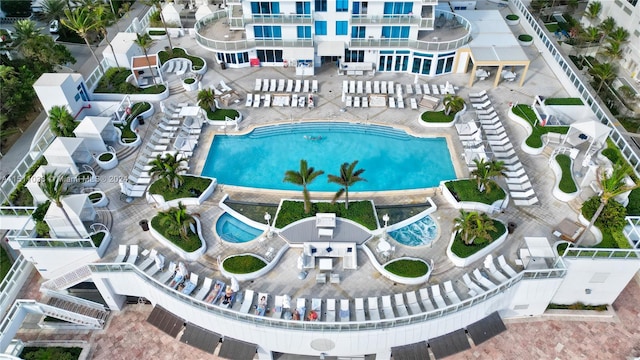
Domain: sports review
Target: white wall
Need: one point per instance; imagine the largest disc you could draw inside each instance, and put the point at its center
(52, 262)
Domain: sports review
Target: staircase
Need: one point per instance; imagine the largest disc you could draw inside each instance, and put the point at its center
(75, 310)
(67, 280)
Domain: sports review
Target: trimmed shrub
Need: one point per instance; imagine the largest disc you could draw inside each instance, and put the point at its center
(467, 190)
(243, 264)
(407, 268)
(525, 37)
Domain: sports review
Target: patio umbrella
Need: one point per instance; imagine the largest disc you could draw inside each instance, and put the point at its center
(234, 284)
(160, 261)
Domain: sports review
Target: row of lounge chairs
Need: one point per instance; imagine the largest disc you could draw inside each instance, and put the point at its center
(520, 188)
(280, 100)
(379, 101)
(177, 66)
(390, 88)
(285, 86)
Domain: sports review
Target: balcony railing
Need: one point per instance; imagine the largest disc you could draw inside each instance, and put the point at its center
(560, 271)
(293, 19)
(357, 19)
(17, 210)
(593, 253)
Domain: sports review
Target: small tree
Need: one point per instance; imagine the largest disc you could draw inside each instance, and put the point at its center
(105, 18)
(452, 103)
(61, 121)
(168, 168)
(474, 227)
(206, 99)
(177, 221)
(593, 11)
(158, 5)
(303, 177)
(83, 23)
(55, 187)
(348, 176)
(603, 73)
(145, 42)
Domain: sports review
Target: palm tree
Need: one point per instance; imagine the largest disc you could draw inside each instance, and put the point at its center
(105, 18)
(607, 26)
(496, 169)
(604, 73)
(158, 5)
(613, 51)
(473, 225)
(206, 99)
(169, 168)
(452, 103)
(5, 130)
(145, 42)
(25, 30)
(83, 23)
(61, 121)
(591, 34)
(619, 35)
(612, 185)
(348, 176)
(53, 9)
(55, 187)
(481, 174)
(303, 177)
(177, 221)
(593, 11)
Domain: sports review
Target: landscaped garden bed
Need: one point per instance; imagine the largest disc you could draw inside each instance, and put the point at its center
(114, 81)
(52, 352)
(563, 101)
(437, 117)
(467, 190)
(361, 212)
(409, 268)
(192, 187)
(567, 184)
(222, 114)
(128, 135)
(460, 249)
(197, 62)
(190, 244)
(535, 138)
(243, 264)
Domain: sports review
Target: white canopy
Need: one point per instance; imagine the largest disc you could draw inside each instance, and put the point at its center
(593, 131)
(539, 246)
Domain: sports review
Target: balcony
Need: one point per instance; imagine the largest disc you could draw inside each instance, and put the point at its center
(385, 20)
(291, 19)
(213, 32)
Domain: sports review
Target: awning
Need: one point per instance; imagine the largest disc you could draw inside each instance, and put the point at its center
(237, 350)
(331, 48)
(417, 351)
(483, 330)
(200, 338)
(449, 344)
(165, 321)
(539, 246)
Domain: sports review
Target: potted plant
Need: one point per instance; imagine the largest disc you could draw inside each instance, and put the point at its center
(525, 40)
(87, 178)
(107, 160)
(512, 19)
(190, 84)
(98, 198)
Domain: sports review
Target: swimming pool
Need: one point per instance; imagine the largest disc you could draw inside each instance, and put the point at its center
(392, 159)
(421, 232)
(233, 230)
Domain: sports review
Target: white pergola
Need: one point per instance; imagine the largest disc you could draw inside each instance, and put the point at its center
(95, 130)
(79, 209)
(593, 131)
(33, 185)
(67, 152)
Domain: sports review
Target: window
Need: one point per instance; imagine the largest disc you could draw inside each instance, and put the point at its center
(267, 32)
(265, 7)
(354, 55)
(342, 5)
(395, 32)
(358, 32)
(304, 32)
(269, 55)
(321, 28)
(398, 8)
(303, 8)
(82, 92)
(321, 5)
(342, 28)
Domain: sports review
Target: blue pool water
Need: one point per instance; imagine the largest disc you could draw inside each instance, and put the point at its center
(233, 230)
(421, 232)
(392, 159)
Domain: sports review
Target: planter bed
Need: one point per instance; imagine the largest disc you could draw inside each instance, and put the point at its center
(194, 191)
(464, 194)
(190, 249)
(463, 255)
(524, 115)
(360, 212)
(564, 188)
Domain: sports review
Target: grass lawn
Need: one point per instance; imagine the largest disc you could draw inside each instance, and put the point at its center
(407, 268)
(553, 27)
(196, 61)
(220, 114)
(437, 117)
(467, 190)
(193, 186)
(630, 124)
(361, 212)
(243, 264)
(136, 109)
(97, 238)
(633, 209)
(535, 139)
(51, 352)
(563, 101)
(464, 251)
(5, 263)
(191, 244)
(567, 185)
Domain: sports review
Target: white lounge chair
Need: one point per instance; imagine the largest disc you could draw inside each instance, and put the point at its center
(331, 310)
(400, 102)
(273, 85)
(352, 87)
(261, 305)
(258, 85)
(483, 280)
(374, 312)
(224, 86)
(427, 89)
(387, 310)
(392, 102)
(360, 87)
(316, 305)
(345, 86)
(525, 202)
(305, 86)
(298, 86)
(247, 301)
(277, 306)
(401, 308)
(349, 101)
(301, 306)
(474, 289)
(383, 87)
(522, 194)
(344, 310)
(418, 89)
(289, 86)
(517, 180)
(314, 86)
(267, 100)
(434, 89)
(294, 100)
(356, 101)
(478, 94)
(525, 186)
(249, 101)
(122, 254)
(376, 87)
(365, 102)
(265, 85)
(281, 84)
(367, 87)
(151, 258)
(495, 273)
(360, 309)
(256, 100)
(437, 297)
(450, 292)
(390, 89)
(169, 273)
(206, 286)
(505, 267)
(412, 302)
(414, 104)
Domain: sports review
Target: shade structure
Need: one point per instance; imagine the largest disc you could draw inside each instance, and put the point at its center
(539, 246)
(165, 321)
(200, 338)
(416, 351)
(331, 48)
(237, 350)
(449, 344)
(483, 330)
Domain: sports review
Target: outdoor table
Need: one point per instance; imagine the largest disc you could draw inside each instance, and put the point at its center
(325, 264)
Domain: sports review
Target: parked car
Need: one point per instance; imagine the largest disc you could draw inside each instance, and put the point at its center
(54, 26)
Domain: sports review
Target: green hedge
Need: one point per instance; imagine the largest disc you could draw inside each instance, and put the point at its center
(361, 212)
(437, 117)
(408, 268)
(220, 114)
(192, 187)
(535, 139)
(462, 250)
(190, 245)
(525, 37)
(577, 306)
(21, 196)
(51, 353)
(243, 264)
(467, 190)
(567, 185)
(563, 101)
(136, 109)
(157, 32)
(114, 81)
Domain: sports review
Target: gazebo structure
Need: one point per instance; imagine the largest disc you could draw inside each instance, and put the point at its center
(33, 185)
(96, 130)
(79, 209)
(68, 152)
(593, 132)
(142, 65)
